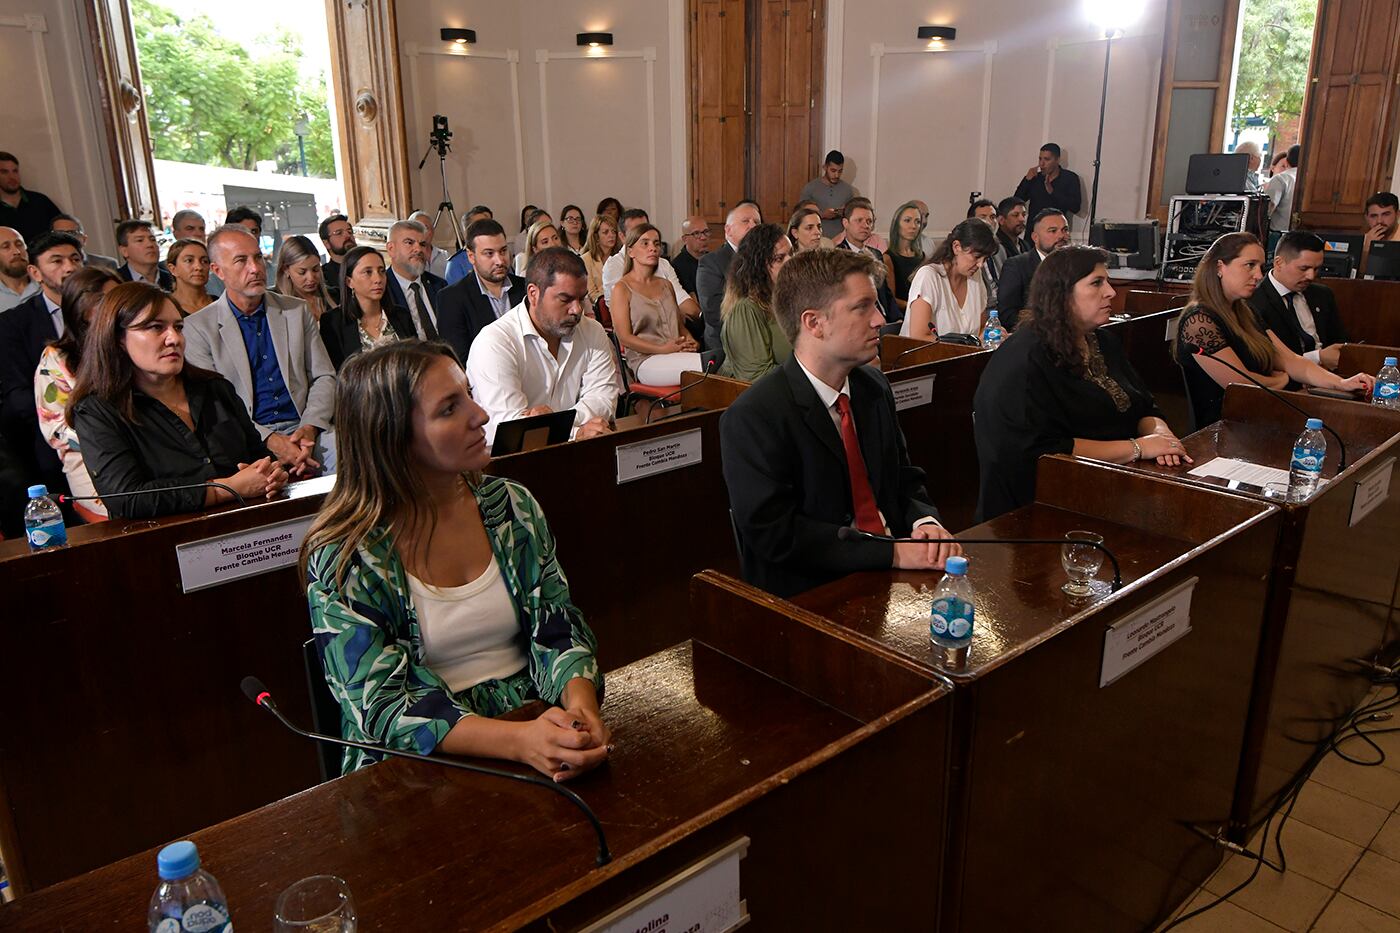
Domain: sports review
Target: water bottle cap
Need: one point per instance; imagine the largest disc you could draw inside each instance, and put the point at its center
(38, 492)
(994, 314)
(956, 566)
(178, 860)
(1389, 360)
(1314, 424)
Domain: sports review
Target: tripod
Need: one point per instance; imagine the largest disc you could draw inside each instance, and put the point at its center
(438, 140)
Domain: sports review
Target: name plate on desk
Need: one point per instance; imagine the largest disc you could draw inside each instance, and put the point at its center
(658, 455)
(1135, 638)
(700, 898)
(1371, 490)
(242, 554)
(912, 393)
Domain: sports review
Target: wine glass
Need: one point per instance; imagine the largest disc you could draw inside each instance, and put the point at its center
(319, 904)
(1081, 560)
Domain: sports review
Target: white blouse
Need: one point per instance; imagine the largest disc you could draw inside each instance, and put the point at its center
(931, 284)
(470, 633)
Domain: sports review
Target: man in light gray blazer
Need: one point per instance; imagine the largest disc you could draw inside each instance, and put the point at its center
(269, 347)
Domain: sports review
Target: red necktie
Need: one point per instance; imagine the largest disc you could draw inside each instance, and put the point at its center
(862, 496)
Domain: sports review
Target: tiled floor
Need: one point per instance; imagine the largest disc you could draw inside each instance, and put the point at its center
(1342, 843)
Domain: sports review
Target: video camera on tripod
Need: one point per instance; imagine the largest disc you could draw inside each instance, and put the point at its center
(440, 141)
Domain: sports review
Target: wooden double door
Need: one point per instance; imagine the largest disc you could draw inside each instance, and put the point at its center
(755, 103)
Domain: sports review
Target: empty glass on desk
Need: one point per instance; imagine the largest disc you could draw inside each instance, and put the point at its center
(319, 904)
(1081, 558)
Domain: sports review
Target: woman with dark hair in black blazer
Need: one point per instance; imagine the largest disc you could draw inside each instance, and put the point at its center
(367, 317)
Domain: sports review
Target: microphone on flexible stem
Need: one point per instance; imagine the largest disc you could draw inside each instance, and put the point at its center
(923, 346)
(656, 403)
(847, 533)
(254, 690)
(1341, 445)
(142, 492)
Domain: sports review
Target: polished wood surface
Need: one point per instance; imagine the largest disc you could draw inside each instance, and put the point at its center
(1080, 798)
(898, 352)
(708, 750)
(1333, 586)
(1364, 358)
(1369, 309)
(699, 390)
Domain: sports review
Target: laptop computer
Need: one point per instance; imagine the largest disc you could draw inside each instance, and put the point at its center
(1218, 173)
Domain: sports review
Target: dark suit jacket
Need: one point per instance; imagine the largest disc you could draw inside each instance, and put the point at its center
(25, 330)
(463, 310)
(709, 289)
(432, 284)
(341, 333)
(892, 311)
(1283, 320)
(788, 486)
(164, 279)
(1014, 286)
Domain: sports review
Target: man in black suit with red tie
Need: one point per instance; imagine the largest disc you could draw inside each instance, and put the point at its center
(1300, 312)
(814, 447)
(484, 295)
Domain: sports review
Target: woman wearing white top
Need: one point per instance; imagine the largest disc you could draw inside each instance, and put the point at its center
(947, 295)
(541, 235)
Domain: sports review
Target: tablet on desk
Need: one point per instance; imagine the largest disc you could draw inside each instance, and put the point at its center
(1334, 393)
(533, 432)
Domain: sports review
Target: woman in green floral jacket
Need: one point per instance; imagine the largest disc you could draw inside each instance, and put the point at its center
(436, 600)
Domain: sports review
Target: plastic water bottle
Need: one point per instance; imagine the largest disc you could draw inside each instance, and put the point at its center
(993, 334)
(1387, 391)
(1309, 451)
(950, 617)
(43, 522)
(188, 899)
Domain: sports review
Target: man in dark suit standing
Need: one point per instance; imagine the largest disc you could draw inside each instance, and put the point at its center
(1049, 232)
(858, 224)
(136, 241)
(338, 237)
(483, 296)
(24, 332)
(814, 446)
(411, 285)
(1047, 186)
(710, 273)
(1302, 313)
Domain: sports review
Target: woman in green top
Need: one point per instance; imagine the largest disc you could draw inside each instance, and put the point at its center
(753, 341)
(436, 600)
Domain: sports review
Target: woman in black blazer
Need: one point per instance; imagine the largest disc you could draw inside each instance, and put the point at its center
(366, 318)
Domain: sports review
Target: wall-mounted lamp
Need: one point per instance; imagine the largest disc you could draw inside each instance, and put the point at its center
(594, 39)
(458, 36)
(937, 35)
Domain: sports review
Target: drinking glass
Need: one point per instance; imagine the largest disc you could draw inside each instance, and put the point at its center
(319, 904)
(1081, 560)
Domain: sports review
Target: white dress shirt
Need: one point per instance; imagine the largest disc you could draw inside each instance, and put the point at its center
(511, 370)
(947, 316)
(55, 314)
(437, 263)
(612, 272)
(1280, 192)
(408, 297)
(1299, 305)
(828, 395)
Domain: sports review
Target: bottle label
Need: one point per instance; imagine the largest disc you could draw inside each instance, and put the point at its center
(1387, 390)
(51, 533)
(206, 918)
(168, 925)
(1307, 460)
(951, 618)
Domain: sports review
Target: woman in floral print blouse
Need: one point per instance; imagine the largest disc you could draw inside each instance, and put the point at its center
(436, 600)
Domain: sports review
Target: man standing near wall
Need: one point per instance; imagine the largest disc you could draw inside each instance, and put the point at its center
(1048, 186)
(830, 193)
(29, 212)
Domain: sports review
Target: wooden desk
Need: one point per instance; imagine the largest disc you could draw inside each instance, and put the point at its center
(709, 749)
(1364, 358)
(1333, 587)
(898, 352)
(1370, 310)
(121, 691)
(1081, 798)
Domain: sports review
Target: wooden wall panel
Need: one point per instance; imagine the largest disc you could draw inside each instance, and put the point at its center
(123, 111)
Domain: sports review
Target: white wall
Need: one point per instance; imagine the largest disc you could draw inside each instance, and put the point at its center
(614, 121)
(51, 122)
(924, 122)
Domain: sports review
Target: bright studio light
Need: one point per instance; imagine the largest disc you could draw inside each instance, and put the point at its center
(1113, 16)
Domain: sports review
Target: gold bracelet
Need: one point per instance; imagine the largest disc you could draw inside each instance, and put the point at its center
(1137, 449)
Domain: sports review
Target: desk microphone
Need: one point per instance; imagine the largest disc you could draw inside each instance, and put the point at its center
(255, 691)
(708, 367)
(142, 492)
(1341, 445)
(847, 533)
(923, 346)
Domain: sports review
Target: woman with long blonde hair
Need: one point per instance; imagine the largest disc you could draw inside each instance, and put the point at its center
(437, 603)
(299, 275)
(1218, 321)
(600, 245)
(542, 235)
